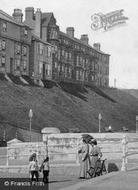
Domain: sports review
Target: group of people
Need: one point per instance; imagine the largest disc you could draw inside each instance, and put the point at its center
(89, 153)
(34, 168)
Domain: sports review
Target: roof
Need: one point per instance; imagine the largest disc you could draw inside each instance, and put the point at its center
(15, 140)
(40, 40)
(9, 18)
(46, 17)
(80, 42)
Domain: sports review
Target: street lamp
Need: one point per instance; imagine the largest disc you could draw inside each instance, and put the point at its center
(100, 117)
(136, 123)
(30, 117)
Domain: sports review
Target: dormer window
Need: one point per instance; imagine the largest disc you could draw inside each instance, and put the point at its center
(53, 33)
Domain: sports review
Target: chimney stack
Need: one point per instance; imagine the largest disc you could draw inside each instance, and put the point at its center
(97, 46)
(84, 38)
(29, 14)
(70, 31)
(38, 23)
(18, 15)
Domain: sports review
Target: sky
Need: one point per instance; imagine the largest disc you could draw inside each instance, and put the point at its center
(121, 42)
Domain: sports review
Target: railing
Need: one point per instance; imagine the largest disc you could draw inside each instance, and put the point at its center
(118, 148)
(128, 150)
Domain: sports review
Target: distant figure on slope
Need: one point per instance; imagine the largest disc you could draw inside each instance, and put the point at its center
(85, 160)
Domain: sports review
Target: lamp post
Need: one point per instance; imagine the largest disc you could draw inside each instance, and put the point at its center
(100, 117)
(136, 123)
(30, 117)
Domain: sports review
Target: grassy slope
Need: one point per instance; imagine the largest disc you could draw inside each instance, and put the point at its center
(77, 108)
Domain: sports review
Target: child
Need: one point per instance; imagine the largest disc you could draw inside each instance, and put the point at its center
(45, 168)
(33, 169)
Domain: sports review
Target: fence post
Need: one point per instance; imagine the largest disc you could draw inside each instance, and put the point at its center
(7, 158)
(124, 157)
(77, 155)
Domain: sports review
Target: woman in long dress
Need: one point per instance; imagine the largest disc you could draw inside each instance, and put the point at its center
(85, 160)
(94, 152)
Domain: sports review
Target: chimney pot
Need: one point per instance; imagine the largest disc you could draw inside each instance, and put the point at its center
(29, 13)
(84, 38)
(18, 15)
(97, 46)
(70, 31)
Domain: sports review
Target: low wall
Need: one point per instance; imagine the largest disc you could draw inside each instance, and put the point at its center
(63, 150)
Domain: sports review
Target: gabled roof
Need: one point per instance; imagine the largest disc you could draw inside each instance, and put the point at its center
(40, 40)
(46, 17)
(9, 18)
(82, 43)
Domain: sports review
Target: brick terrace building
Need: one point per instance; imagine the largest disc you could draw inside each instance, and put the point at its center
(15, 40)
(40, 66)
(74, 59)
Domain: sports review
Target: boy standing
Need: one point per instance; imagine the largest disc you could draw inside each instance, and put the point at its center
(45, 168)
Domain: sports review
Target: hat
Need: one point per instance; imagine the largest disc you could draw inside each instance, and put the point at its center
(32, 157)
(94, 141)
(87, 138)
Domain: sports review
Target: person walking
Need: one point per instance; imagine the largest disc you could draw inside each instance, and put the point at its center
(95, 156)
(95, 152)
(34, 169)
(85, 160)
(45, 168)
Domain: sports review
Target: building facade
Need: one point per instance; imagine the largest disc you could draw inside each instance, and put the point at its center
(15, 41)
(74, 59)
(37, 48)
(40, 65)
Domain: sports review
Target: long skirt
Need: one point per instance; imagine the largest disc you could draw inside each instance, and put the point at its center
(84, 167)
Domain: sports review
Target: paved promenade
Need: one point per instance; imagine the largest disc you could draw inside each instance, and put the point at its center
(112, 181)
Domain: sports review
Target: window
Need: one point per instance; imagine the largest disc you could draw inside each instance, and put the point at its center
(92, 78)
(56, 64)
(66, 55)
(40, 48)
(59, 68)
(69, 55)
(25, 32)
(63, 52)
(24, 65)
(4, 27)
(77, 61)
(18, 49)
(53, 34)
(62, 68)
(2, 44)
(3, 61)
(40, 67)
(17, 64)
(48, 69)
(66, 71)
(77, 75)
(86, 75)
(24, 50)
(49, 52)
(59, 54)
